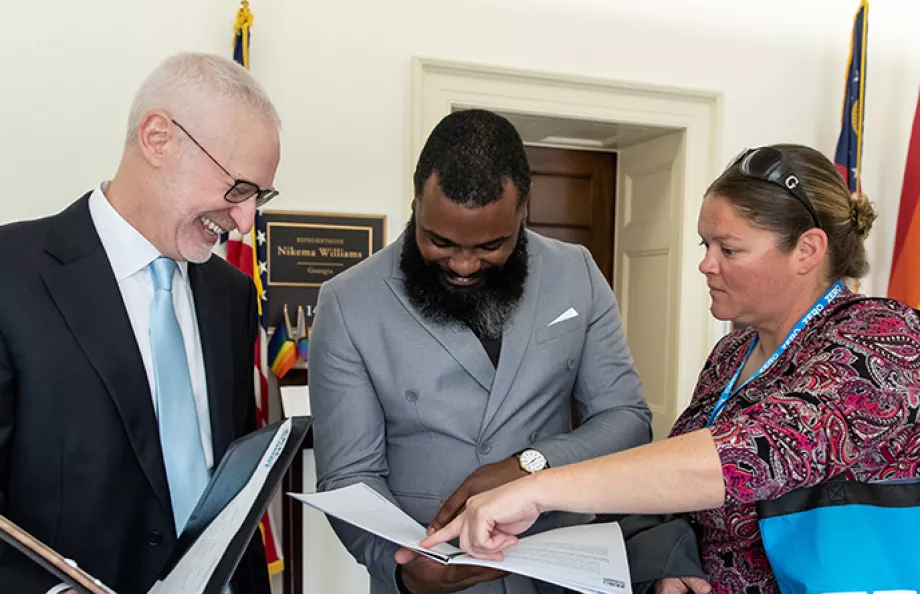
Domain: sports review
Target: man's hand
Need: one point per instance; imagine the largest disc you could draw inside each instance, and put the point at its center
(421, 575)
(483, 479)
(682, 586)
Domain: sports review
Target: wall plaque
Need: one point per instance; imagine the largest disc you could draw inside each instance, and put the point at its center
(307, 249)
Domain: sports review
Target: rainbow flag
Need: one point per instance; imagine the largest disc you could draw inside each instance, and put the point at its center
(303, 349)
(282, 349)
(904, 282)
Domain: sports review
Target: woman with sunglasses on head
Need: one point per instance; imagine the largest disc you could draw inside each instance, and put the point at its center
(819, 383)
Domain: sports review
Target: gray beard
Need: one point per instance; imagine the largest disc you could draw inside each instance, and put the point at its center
(488, 321)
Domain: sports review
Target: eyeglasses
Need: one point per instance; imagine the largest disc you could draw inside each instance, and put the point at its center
(768, 164)
(241, 190)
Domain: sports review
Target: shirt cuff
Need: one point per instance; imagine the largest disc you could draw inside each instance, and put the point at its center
(58, 589)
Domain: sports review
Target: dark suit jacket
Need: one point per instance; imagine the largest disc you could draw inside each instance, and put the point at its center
(81, 465)
(658, 547)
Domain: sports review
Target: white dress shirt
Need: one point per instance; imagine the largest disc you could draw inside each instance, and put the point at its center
(129, 252)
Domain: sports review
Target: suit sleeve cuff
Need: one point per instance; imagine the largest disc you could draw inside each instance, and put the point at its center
(555, 454)
(397, 580)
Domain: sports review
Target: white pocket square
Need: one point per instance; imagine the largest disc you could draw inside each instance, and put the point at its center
(566, 315)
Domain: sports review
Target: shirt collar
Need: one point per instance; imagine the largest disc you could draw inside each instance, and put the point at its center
(128, 251)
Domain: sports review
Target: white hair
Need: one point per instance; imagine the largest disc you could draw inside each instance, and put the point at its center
(189, 82)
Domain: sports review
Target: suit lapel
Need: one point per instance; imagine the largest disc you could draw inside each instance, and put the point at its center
(212, 310)
(86, 293)
(516, 339)
(461, 343)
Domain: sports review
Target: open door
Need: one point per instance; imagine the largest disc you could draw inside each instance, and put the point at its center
(647, 266)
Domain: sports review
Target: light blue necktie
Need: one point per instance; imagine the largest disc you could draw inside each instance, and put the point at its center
(180, 434)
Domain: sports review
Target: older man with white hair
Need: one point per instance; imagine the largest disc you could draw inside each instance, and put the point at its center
(125, 349)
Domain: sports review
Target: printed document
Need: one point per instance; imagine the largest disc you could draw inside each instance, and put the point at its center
(590, 558)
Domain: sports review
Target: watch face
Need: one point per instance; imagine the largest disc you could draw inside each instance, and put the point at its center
(532, 460)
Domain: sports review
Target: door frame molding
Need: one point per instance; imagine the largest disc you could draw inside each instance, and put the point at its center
(440, 86)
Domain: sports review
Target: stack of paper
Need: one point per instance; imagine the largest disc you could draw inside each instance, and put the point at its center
(590, 558)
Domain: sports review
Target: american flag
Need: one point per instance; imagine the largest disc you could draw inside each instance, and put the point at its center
(247, 252)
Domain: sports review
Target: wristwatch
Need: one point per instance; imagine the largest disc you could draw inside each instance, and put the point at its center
(532, 461)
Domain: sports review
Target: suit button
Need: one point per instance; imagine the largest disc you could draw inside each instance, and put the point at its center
(411, 395)
(485, 448)
(154, 538)
(571, 363)
(534, 437)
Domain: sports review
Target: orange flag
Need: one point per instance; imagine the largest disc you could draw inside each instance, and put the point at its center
(904, 283)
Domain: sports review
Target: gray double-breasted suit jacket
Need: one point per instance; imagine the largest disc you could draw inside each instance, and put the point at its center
(411, 407)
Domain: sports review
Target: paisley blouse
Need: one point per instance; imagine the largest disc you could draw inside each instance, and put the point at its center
(842, 399)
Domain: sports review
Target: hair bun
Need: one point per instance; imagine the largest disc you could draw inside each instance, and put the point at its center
(862, 214)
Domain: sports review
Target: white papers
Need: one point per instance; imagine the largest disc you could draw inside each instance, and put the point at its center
(589, 558)
(295, 401)
(192, 572)
(586, 558)
(362, 506)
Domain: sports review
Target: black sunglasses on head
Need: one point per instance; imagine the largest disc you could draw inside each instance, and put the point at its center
(241, 190)
(768, 164)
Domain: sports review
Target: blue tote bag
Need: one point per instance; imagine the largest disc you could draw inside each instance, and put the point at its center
(845, 537)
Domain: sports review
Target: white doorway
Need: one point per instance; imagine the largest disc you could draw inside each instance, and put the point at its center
(667, 142)
(647, 274)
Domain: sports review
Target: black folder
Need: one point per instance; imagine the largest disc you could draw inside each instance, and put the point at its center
(238, 465)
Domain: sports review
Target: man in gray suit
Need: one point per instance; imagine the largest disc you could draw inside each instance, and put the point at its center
(445, 364)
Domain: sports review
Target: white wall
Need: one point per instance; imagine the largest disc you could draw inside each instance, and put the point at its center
(339, 72)
(327, 565)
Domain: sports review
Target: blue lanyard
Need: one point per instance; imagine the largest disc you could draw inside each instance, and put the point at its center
(730, 389)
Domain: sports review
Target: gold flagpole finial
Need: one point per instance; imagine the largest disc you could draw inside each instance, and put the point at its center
(243, 17)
